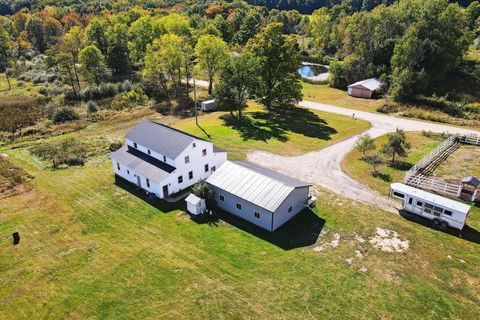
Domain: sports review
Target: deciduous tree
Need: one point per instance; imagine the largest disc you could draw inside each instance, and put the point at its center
(211, 53)
(92, 64)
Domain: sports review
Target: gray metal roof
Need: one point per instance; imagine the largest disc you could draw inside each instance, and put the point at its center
(260, 186)
(471, 180)
(160, 138)
(142, 163)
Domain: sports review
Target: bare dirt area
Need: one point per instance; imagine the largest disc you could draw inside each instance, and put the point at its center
(323, 167)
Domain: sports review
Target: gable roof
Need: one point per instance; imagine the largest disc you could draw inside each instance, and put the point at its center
(370, 84)
(142, 163)
(193, 199)
(160, 138)
(262, 187)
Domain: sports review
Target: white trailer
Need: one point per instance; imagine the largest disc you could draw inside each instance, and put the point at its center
(209, 105)
(442, 211)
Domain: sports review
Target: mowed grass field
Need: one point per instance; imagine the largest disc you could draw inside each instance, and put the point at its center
(323, 93)
(92, 248)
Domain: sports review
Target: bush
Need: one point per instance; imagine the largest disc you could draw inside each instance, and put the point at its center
(202, 190)
(67, 152)
(389, 108)
(92, 107)
(64, 114)
(20, 84)
(114, 146)
(338, 75)
(43, 91)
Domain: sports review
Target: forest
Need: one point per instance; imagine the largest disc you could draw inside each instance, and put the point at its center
(132, 52)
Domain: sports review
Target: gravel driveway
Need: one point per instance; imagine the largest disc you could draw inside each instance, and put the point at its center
(323, 168)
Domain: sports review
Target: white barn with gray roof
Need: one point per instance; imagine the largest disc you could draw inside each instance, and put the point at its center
(163, 160)
(264, 197)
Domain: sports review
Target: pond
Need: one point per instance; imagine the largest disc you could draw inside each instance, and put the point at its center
(310, 70)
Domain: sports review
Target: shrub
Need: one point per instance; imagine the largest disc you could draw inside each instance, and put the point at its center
(64, 114)
(43, 91)
(389, 108)
(92, 107)
(67, 152)
(202, 190)
(20, 84)
(114, 146)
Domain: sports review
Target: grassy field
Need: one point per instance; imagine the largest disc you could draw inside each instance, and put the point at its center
(360, 170)
(92, 249)
(19, 88)
(462, 163)
(325, 94)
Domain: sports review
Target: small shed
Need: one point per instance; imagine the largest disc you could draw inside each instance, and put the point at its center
(195, 205)
(470, 190)
(364, 88)
(209, 105)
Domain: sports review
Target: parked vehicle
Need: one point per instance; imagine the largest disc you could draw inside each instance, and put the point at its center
(442, 211)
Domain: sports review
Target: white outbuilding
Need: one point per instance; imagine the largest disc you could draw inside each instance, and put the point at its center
(209, 105)
(261, 196)
(364, 88)
(442, 211)
(195, 205)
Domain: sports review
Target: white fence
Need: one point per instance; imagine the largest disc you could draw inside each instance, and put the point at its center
(415, 177)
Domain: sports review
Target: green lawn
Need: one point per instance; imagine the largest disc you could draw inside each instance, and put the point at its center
(421, 145)
(325, 94)
(91, 248)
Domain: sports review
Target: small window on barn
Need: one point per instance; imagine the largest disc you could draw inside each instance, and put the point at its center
(447, 212)
(190, 175)
(128, 171)
(194, 144)
(187, 159)
(118, 165)
(222, 198)
(410, 201)
(290, 209)
(135, 145)
(148, 183)
(164, 159)
(204, 152)
(257, 215)
(239, 206)
(148, 150)
(214, 168)
(180, 179)
(398, 194)
(206, 167)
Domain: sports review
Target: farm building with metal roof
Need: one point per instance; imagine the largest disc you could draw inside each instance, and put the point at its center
(259, 195)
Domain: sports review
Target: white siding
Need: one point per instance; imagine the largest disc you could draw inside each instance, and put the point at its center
(131, 176)
(297, 200)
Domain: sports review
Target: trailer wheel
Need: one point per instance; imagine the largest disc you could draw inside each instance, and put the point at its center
(444, 224)
(437, 222)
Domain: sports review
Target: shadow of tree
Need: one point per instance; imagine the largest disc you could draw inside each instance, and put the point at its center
(400, 165)
(263, 125)
(383, 176)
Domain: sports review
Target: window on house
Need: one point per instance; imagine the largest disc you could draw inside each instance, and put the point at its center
(239, 206)
(118, 165)
(164, 159)
(447, 212)
(190, 175)
(419, 203)
(194, 144)
(410, 201)
(206, 167)
(222, 198)
(135, 145)
(257, 215)
(148, 150)
(187, 159)
(180, 179)
(128, 171)
(290, 209)
(148, 183)
(204, 152)
(214, 168)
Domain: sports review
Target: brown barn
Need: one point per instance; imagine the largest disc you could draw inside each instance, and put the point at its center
(364, 88)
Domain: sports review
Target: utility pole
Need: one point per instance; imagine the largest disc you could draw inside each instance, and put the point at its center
(195, 101)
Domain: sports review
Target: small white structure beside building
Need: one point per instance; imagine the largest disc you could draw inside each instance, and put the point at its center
(442, 211)
(195, 205)
(261, 196)
(364, 88)
(209, 105)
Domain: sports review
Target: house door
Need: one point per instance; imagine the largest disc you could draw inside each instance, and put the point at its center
(139, 182)
(165, 191)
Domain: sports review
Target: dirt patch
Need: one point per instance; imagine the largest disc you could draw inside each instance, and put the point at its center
(332, 244)
(13, 180)
(389, 241)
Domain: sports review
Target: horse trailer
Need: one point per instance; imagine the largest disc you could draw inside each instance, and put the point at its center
(442, 211)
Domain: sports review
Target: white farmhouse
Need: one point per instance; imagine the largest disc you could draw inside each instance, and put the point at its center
(163, 160)
(261, 196)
